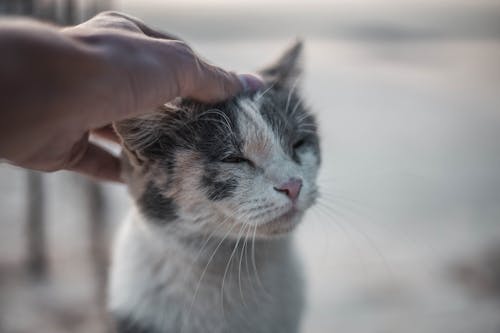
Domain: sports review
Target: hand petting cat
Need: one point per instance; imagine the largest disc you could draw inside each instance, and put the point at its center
(60, 85)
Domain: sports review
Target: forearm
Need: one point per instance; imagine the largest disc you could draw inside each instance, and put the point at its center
(59, 84)
(46, 78)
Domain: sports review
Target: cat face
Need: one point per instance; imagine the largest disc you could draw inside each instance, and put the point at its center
(247, 165)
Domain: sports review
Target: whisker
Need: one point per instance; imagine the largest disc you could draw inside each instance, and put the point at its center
(365, 215)
(260, 207)
(259, 281)
(218, 227)
(206, 267)
(227, 267)
(345, 231)
(295, 108)
(247, 227)
(261, 95)
(292, 90)
(343, 196)
(249, 240)
(370, 241)
(265, 212)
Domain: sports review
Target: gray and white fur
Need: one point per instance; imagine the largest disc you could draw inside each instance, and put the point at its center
(217, 190)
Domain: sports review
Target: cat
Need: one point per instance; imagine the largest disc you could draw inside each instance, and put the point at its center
(217, 191)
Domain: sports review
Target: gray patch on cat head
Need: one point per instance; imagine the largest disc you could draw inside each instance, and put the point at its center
(216, 136)
(211, 129)
(157, 206)
(215, 187)
(290, 121)
(215, 131)
(283, 109)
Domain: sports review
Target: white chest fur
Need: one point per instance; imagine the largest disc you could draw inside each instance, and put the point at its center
(161, 284)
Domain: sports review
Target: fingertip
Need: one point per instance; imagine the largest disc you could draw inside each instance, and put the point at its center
(211, 84)
(250, 82)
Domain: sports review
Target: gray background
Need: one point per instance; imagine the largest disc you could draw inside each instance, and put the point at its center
(407, 235)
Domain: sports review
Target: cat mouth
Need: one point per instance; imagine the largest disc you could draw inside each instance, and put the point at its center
(281, 224)
(289, 214)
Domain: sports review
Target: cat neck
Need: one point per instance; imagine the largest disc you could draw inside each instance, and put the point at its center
(209, 249)
(209, 282)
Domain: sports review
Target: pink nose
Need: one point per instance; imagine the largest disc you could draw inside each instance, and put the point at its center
(291, 188)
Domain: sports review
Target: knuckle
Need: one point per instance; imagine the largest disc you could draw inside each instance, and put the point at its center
(112, 13)
(114, 20)
(187, 67)
(184, 51)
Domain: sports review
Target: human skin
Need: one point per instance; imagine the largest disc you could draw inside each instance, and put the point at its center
(59, 85)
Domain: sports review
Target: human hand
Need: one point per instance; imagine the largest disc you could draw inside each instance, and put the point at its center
(78, 80)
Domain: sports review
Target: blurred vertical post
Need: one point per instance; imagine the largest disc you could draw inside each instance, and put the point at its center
(94, 198)
(36, 248)
(95, 201)
(66, 12)
(96, 208)
(69, 12)
(17, 7)
(35, 227)
(29, 6)
(96, 7)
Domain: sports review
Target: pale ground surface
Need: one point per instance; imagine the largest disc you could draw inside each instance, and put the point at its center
(411, 175)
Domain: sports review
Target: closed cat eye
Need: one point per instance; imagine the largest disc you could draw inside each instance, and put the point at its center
(298, 144)
(234, 159)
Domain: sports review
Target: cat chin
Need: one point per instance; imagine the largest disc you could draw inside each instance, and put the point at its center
(280, 226)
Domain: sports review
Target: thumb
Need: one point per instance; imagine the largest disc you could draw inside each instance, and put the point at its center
(95, 162)
(208, 83)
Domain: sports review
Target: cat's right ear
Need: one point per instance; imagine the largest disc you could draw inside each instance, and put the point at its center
(286, 70)
(138, 134)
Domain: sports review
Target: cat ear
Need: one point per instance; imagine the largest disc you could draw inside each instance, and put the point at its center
(139, 134)
(286, 71)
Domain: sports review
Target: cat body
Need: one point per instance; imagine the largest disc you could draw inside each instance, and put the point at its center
(156, 284)
(218, 189)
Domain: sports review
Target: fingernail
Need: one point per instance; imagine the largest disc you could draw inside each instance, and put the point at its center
(250, 82)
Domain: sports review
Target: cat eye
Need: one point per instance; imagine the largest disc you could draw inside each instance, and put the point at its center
(234, 159)
(298, 144)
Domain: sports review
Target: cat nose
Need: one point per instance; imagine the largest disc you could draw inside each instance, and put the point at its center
(291, 188)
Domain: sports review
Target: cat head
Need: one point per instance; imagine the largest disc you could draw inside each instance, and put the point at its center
(249, 163)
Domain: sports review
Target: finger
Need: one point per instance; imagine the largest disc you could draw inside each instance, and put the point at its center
(208, 83)
(141, 25)
(104, 21)
(107, 132)
(97, 163)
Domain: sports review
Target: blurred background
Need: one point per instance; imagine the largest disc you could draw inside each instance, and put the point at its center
(406, 236)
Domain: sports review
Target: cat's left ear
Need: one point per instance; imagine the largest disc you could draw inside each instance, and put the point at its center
(139, 136)
(286, 71)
